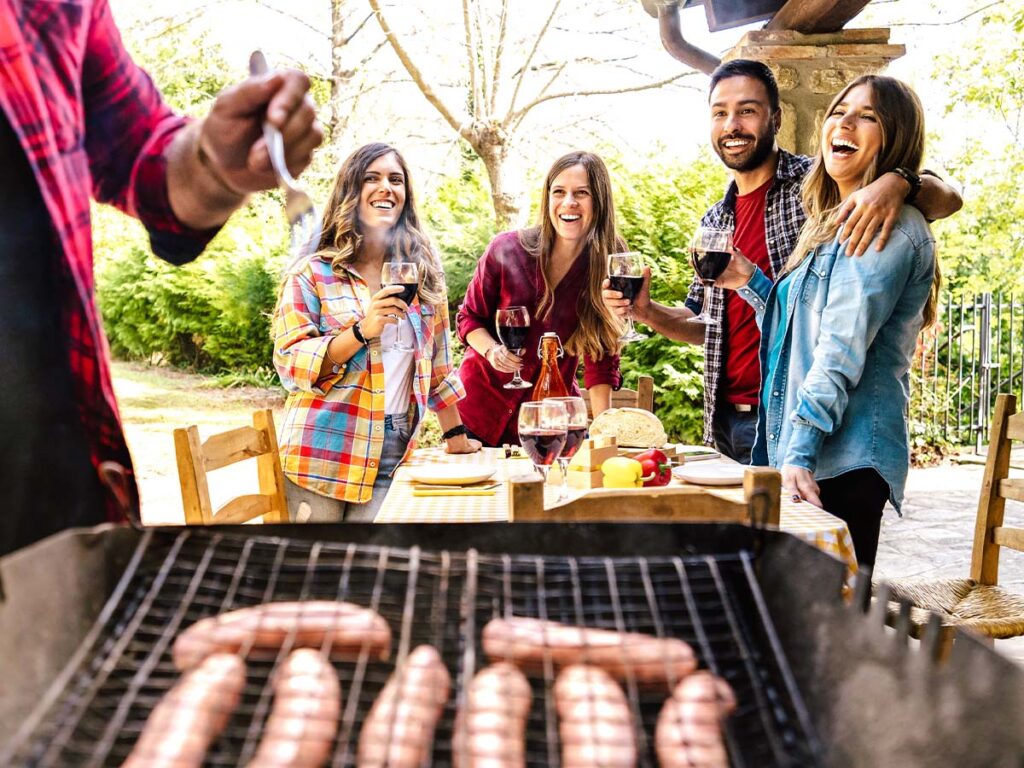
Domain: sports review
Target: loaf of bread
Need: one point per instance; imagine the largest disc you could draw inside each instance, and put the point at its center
(632, 427)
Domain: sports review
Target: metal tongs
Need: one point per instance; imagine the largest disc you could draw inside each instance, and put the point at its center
(298, 207)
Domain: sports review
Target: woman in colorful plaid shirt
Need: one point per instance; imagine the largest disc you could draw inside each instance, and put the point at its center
(356, 397)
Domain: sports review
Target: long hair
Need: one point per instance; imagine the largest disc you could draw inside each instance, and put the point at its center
(597, 331)
(341, 237)
(901, 120)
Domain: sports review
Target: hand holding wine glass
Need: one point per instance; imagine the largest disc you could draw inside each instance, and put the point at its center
(576, 433)
(513, 325)
(543, 431)
(625, 275)
(710, 253)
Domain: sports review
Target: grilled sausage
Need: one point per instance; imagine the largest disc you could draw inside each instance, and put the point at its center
(688, 733)
(304, 719)
(491, 731)
(190, 716)
(594, 721)
(650, 660)
(264, 629)
(399, 730)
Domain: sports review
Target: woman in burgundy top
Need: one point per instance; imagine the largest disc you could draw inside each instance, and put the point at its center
(555, 270)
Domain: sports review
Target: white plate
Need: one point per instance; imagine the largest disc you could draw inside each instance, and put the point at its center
(453, 474)
(710, 473)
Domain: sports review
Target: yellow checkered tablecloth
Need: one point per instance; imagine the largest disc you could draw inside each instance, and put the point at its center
(805, 521)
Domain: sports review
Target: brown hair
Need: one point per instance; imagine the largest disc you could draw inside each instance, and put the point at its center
(598, 330)
(341, 238)
(901, 120)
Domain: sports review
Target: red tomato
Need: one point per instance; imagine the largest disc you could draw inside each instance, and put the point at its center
(656, 468)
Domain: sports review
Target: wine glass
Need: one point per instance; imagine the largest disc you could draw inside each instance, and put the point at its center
(513, 327)
(575, 434)
(625, 275)
(543, 429)
(710, 252)
(407, 275)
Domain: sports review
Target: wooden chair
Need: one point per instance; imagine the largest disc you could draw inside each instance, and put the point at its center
(761, 486)
(641, 397)
(978, 603)
(196, 458)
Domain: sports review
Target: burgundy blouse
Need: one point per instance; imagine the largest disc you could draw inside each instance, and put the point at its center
(507, 276)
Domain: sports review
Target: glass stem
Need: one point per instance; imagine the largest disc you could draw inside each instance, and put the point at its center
(563, 465)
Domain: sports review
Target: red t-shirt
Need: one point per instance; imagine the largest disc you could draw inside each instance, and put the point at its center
(741, 377)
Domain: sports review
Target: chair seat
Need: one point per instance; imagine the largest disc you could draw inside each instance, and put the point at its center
(987, 610)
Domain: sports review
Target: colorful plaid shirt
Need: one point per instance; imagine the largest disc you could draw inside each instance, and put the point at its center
(91, 124)
(333, 431)
(784, 216)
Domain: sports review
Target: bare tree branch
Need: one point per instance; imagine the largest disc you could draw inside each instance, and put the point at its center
(975, 12)
(415, 73)
(529, 58)
(520, 114)
(293, 17)
(498, 53)
(358, 29)
(476, 102)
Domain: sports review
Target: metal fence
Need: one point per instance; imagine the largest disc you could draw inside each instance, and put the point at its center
(972, 353)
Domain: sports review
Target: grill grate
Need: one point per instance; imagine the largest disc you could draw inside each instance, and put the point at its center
(441, 598)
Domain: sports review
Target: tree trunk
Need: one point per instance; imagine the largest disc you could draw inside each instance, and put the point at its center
(492, 147)
(339, 76)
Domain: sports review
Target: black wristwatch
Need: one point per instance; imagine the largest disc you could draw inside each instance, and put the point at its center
(912, 179)
(358, 333)
(458, 429)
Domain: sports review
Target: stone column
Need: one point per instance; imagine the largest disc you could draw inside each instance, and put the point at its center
(811, 69)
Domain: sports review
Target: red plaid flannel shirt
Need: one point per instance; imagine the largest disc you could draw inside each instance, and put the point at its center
(92, 124)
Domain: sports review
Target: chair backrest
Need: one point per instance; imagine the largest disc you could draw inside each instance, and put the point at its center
(996, 487)
(196, 458)
(669, 503)
(641, 397)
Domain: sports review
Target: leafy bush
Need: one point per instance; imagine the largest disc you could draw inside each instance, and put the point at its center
(658, 208)
(460, 219)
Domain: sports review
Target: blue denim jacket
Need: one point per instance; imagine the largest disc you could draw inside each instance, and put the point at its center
(838, 399)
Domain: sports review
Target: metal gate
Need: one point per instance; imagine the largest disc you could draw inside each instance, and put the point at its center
(972, 353)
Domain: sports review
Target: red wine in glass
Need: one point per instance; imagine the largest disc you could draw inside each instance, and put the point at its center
(407, 275)
(573, 440)
(513, 337)
(408, 292)
(710, 252)
(625, 274)
(709, 265)
(513, 326)
(543, 446)
(628, 285)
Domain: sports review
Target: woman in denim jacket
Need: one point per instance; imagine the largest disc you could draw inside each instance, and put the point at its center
(838, 332)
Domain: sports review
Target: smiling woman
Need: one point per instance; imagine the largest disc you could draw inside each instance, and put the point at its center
(839, 331)
(362, 364)
(554, 270)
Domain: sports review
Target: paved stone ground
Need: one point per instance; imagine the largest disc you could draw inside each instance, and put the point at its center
(934, 537)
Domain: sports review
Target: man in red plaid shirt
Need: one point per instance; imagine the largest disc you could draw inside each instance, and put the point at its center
(79, 119)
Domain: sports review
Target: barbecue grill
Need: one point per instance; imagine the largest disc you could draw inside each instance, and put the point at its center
(760, 608)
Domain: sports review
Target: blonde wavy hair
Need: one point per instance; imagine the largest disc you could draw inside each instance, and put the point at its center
(901, 120)
(341, 238)
(598, 331)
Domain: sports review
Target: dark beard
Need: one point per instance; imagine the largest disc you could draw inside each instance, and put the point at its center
(763, 147)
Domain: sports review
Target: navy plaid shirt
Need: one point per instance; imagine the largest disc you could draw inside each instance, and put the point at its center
(784, 216)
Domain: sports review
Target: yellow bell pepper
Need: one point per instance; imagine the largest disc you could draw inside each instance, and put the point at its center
(620, 472)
